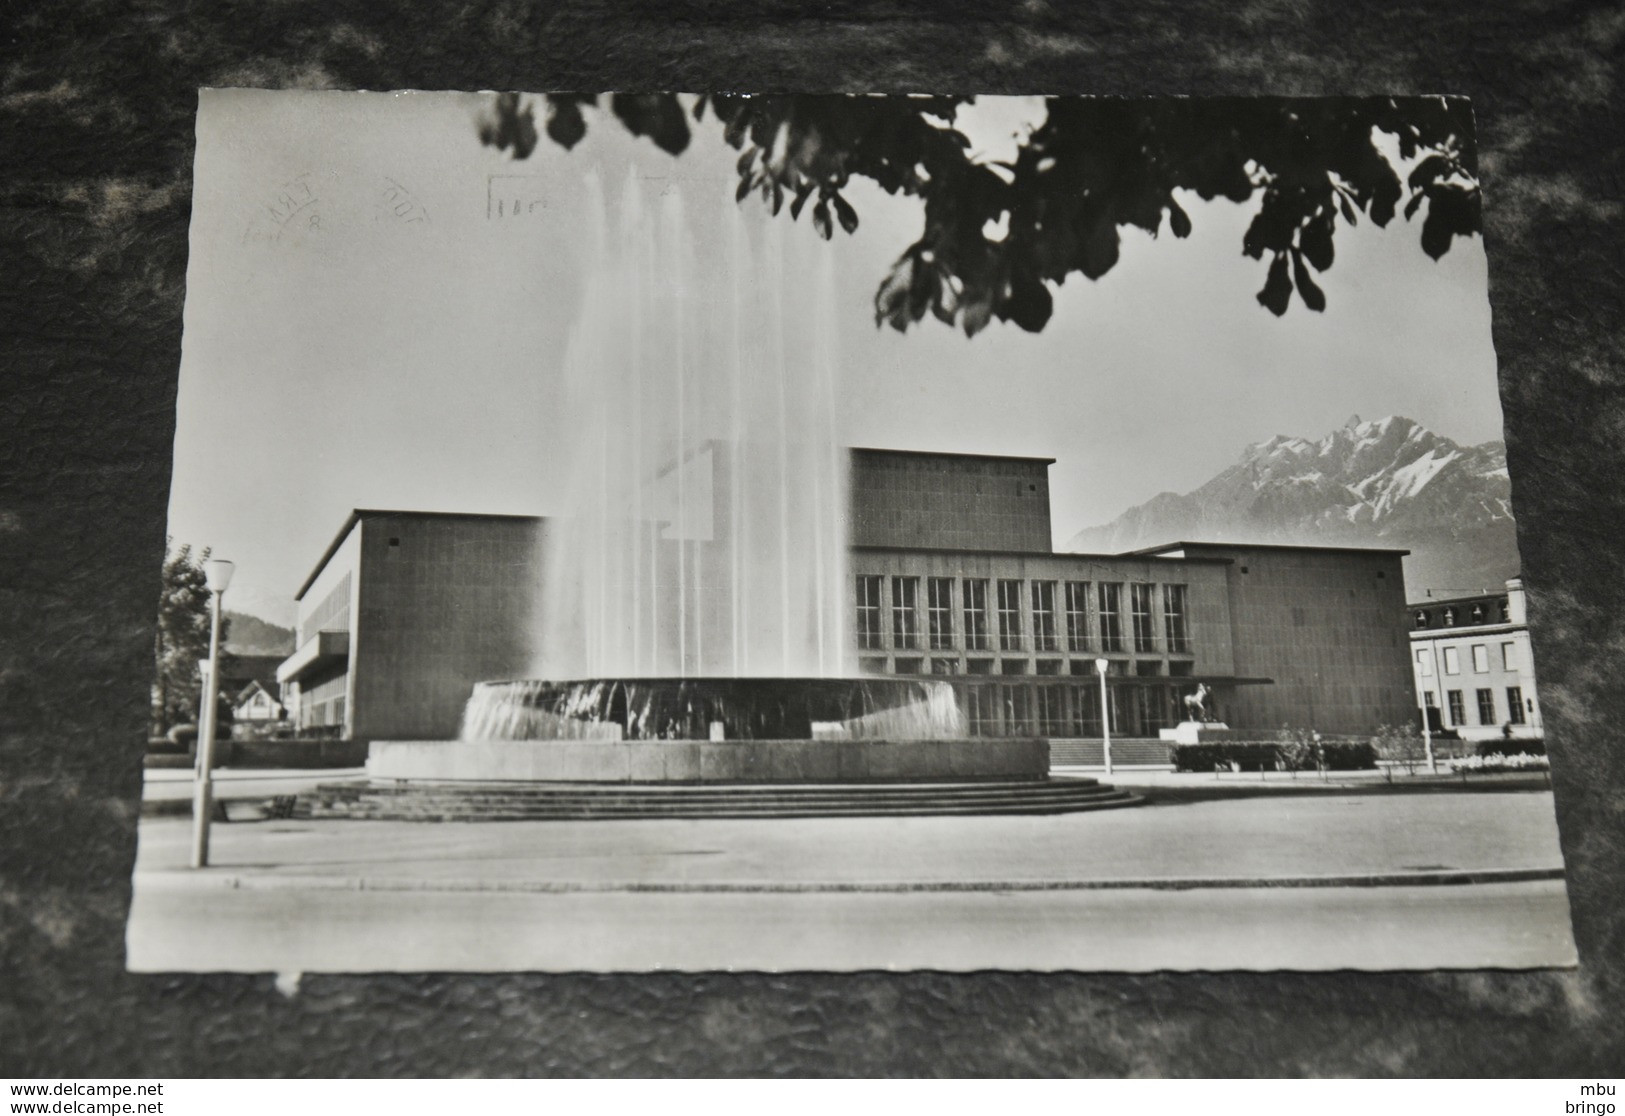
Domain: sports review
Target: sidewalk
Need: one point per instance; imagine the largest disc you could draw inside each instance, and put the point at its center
(1330, 836)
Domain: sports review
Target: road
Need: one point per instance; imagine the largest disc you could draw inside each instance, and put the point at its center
(1083, 891)
(176, 926)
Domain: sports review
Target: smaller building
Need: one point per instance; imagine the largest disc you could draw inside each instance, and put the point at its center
(254, 704)
(1474, 670)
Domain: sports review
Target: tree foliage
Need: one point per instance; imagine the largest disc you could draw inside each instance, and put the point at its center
(182, 639)
(999, 236)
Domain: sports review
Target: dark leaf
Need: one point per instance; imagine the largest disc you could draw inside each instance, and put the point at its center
(1179, 222)
(1383, 200)
(1099, 250)
(1414, 204)
(978, 312)
(821, 219)
(1277, 290)
(1348, 211)
(803, 192)
(565, 126)
(1313, 297)
(891, 300)
(746, 184)
(1429, 169)
(845, 214)
(506, 125)
(1029, 304)
(1316, 241)
(1452, 212)
(655, 115)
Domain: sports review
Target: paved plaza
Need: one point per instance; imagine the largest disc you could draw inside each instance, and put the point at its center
(1310, 877)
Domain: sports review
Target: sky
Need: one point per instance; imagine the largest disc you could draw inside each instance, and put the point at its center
(372, 322)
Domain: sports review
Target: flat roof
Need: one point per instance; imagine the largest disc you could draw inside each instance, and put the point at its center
(983, 553)
(950, 453)
(358, 514)
(1165, 547)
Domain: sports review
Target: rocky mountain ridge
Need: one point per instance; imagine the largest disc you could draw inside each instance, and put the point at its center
(1391, 482)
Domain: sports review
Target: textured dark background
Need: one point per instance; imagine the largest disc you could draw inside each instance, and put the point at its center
(96, 105)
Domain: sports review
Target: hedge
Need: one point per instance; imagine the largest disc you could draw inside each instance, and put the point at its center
(1249, 755)
(1510, 748)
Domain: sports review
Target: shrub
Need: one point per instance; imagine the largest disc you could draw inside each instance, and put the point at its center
(1278, 755)
(1494, 762)
(1511, 747)
(1401, 744)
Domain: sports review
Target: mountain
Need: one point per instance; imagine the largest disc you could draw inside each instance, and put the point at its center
(1392, 482)
(249, 635)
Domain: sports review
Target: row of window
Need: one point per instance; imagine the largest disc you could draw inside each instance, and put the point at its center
(1065, 710)
(1452, 659)
(938, 665)
(1457, 706)
(1027, 615)
(1478, 612)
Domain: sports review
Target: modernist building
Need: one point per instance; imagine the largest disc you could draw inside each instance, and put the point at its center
(403, 614)
(1473, 668)
(952, 575)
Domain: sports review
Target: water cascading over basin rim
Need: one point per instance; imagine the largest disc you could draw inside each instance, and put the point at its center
(713, 708)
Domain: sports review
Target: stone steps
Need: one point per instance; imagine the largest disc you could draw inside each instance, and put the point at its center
(537, 802)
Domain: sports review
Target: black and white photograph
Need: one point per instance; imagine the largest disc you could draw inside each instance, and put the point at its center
(628, 532)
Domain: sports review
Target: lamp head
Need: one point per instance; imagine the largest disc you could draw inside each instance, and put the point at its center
(217, 574)
(1100, 667)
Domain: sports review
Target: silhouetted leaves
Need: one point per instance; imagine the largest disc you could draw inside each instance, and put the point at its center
(1277, 290)
(1452, 212)
(1179, 222)
(1313, 297)
(508, 125)
(1092, 167)
(656, 115)
(565, 126)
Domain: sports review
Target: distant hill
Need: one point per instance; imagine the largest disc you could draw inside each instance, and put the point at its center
(251, 636)
(1392, 482)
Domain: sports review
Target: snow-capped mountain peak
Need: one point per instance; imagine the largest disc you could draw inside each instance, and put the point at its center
(1388, 482)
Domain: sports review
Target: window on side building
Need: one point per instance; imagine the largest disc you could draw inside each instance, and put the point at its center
(1141, 595)
(1077, 616)
(1009, 614)
(1044, 616)
(1458, 709)
(1173, 618)
(1111, 616)
(905, 621)
(1486, 707)
(975, 597)
(939, 612)
(869, 637)
(1515, 705)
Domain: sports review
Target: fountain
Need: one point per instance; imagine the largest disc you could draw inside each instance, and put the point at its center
(691, 624)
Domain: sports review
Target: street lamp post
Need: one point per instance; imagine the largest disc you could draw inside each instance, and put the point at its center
(1105, 716)
(217, 574)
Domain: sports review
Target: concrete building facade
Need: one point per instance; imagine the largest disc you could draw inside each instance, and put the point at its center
(403, 614)
(1473, 667)
(951, 575)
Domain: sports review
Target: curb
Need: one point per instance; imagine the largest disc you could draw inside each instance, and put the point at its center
(208, 880)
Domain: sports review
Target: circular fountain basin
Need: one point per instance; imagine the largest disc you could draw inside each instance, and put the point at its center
(714, 709)
(712, 730)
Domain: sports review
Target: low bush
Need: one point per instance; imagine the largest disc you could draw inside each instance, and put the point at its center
(1510, 748)
(1494, 762)
(1283, 755)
